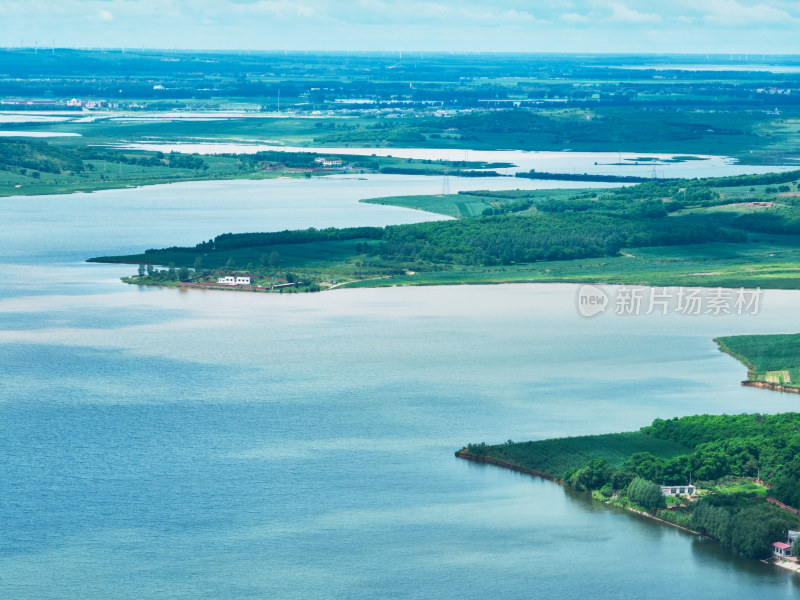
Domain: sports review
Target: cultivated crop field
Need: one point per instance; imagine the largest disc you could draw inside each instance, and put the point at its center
(769, 358)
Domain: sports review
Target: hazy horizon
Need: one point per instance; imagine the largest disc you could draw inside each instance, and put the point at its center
(577, 26)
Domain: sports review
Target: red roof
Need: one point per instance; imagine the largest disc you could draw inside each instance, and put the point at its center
(781, 545)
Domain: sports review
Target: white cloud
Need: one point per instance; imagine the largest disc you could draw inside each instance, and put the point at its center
(517, 15)
(513, 25)
(282, 9)
(730, 13)
(574, 18)
(621, 13)
(488, 16)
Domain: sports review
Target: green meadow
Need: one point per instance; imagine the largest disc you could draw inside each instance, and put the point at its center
(773, 359)
(471, 203)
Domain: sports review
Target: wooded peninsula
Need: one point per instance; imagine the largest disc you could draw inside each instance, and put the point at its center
(738, 231)
(744, 468)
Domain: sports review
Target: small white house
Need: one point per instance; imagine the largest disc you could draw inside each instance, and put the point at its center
(326, 162)
(232, 280)
(678, 490)
(781, 550)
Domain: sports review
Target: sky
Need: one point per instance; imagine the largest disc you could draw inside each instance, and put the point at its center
(591, 26)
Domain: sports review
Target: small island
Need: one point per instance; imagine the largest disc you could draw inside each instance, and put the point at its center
(733, 478)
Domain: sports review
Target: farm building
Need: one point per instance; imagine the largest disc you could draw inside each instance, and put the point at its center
(781, 550)
(678, 490)
(235, 280)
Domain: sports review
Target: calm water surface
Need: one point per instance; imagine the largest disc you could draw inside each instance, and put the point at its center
(165, 444)
(603, 163)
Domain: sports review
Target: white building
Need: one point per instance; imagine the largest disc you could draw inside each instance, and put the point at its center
(781, 550)
(325, 162)
(678, 490)
(235, 280)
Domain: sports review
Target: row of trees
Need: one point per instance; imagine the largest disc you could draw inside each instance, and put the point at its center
(740, 524)
(170, 274)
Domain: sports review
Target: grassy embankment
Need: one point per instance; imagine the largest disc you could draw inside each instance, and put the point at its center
(773, 360)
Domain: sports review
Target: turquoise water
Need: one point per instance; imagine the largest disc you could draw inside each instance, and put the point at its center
(164, 444)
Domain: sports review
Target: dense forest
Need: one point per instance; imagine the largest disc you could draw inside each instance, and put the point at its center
(499, 240)
(496, 240)
(38, 156)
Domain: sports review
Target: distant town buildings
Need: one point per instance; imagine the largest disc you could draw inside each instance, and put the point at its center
(87, 103)
(74, 102)
(31, 102)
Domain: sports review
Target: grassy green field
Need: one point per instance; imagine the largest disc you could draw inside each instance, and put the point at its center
(451, 205)
(468, 204)
(773, 359)
(554, 457)
(770, 265)
(743, 487)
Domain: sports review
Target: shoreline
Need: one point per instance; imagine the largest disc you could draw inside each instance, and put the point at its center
(381, 282)
(219, 287)
(504, 465)
(784, 563)
(777, 387)
(770, 386)
(499, 463)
